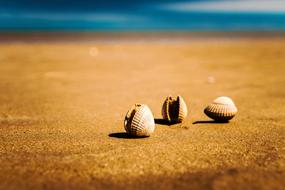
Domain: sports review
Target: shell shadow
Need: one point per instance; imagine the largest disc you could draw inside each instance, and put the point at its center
(123, 135)
(163, 122)
(209, 122)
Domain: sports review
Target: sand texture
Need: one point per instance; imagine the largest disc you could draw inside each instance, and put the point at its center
(62, 108)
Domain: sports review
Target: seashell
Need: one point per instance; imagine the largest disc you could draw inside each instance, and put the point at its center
(139, 121)
(222, 109)
(174, 110)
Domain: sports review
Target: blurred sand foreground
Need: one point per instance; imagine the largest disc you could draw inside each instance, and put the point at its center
(62, 107)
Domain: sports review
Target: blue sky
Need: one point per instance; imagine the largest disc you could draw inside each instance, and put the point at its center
(143, 15)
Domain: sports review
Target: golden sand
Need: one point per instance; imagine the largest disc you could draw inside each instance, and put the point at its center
(62, 108)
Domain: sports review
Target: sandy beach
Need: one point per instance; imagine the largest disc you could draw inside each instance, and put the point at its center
(62, 107)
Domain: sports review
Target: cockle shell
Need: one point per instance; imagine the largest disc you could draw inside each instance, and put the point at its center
(174, 110)
(139, 121)
(222, 109)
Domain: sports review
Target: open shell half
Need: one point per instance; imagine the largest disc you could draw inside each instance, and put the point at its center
(174, 110)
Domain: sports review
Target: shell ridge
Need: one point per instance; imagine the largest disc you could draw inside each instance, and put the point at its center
(142, 122)
(222, 108)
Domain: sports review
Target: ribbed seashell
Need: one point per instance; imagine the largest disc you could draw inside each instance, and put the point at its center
(139, 121)
(222, 109)
(174, 110)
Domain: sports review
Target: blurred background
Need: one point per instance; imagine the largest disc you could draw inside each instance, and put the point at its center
(142, 15)
(70, 70)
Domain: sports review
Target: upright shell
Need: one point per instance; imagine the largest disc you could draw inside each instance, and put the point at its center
(222, 109)
(174, 110)
(139, 121)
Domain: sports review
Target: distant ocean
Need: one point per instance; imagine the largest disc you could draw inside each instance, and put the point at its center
(194, 21)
